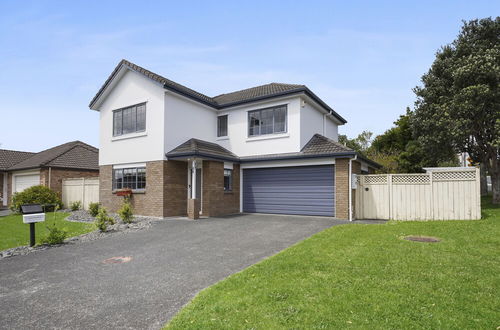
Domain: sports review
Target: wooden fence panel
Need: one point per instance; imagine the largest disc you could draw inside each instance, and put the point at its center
(437, 195)
(85, 190)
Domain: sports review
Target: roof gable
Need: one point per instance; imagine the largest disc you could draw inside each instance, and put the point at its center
(222, 101)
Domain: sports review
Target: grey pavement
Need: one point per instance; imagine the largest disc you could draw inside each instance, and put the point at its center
(69, 287)
(4, 212)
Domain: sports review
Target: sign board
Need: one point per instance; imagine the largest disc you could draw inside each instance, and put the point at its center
(32, 218)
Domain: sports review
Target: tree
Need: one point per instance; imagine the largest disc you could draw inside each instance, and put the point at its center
(360, 144)
(398, 152)
(458, 105)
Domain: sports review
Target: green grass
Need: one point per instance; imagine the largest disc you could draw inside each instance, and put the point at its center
(13, 232)
(365, 276)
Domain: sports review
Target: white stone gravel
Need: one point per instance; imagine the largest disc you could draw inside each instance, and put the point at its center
(139, 223)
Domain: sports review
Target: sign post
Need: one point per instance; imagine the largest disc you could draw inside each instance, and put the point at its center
(32, 213)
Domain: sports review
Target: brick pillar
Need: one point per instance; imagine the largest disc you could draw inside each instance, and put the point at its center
(213, 188)
(342, 188)
(193, 208)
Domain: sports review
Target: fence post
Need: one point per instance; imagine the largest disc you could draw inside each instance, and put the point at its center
(478, 193)
(432, 195)
(83, 194)
(389, 186)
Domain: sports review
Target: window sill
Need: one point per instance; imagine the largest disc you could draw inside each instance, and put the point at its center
(228, 192)
(129, 136)
(136, 191)
(222, 138)
(268, 137)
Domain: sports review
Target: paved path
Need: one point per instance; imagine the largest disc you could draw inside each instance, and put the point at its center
(70, 287)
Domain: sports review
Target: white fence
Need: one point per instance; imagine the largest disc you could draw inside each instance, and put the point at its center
(437, 195)
(85, 190)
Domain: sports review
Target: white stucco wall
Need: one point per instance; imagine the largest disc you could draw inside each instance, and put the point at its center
(242, 145)
(313, 121)
(186, 119)
(132, 88)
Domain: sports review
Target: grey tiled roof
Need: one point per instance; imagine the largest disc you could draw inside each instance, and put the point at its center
(256, 92)
(76, 155)
(10, 158)
(320, 144)
(200, 148)
(224, 100)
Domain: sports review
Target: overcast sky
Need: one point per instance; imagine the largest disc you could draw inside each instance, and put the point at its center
(362, 57)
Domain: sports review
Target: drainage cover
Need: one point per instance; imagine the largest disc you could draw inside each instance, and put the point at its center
(426, 239)
(117, 260)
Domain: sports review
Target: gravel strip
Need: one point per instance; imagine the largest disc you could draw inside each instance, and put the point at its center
(139, 223)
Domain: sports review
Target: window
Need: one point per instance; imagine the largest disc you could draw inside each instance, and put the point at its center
(228, 180)
(129, 120)
(222, 126)
(267, 121)
(132, 178)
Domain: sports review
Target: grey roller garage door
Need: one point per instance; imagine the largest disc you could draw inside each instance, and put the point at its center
(304, 190)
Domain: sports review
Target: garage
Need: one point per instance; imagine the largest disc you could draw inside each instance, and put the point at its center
(24, 181)
(301, 190)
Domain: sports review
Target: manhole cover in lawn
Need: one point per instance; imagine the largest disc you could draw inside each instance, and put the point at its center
(117, 260)
(425, 239)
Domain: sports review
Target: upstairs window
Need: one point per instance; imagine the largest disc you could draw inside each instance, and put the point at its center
(222, 126)
(132, 178)
(267, 121)
(228, 180)
(129, 120)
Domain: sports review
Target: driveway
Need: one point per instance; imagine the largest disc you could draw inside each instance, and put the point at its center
(70, 287)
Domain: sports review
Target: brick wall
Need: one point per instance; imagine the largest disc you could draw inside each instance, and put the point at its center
(165, 194)
(175, 188)
(215, 201)
(342, 186)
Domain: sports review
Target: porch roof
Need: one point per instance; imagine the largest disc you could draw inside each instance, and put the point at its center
(202, 149)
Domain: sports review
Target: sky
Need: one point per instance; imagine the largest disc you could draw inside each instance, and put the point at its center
(361, 57)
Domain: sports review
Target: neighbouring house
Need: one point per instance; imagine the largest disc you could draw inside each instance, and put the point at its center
(20, 170)
(267, 149)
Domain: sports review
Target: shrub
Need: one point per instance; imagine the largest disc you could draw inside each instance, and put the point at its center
(35, 195)
(55, 236)
(94, 209)
(102, 220)
(126, 213)
(75, 206)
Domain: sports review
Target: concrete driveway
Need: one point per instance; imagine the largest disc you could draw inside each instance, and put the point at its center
(70, 287)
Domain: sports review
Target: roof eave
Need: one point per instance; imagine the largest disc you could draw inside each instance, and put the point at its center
(303, 156)
(202, 155)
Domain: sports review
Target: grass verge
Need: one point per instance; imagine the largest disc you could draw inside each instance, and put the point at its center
(365, 276)
(13, 232)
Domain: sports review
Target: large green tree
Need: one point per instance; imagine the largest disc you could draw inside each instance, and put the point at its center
(458, 105)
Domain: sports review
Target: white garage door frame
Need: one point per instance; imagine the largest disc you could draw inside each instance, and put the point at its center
(281, 163)
(17, 175)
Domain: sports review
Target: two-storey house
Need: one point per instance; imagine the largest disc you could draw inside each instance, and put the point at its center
(266, 149)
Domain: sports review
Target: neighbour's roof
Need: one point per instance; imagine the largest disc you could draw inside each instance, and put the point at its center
(75, 155)
(224, 100)
(200, 148)
(10, 158)
(317, 147)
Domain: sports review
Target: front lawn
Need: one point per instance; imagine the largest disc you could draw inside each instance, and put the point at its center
(365, 276)
(13, 232)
